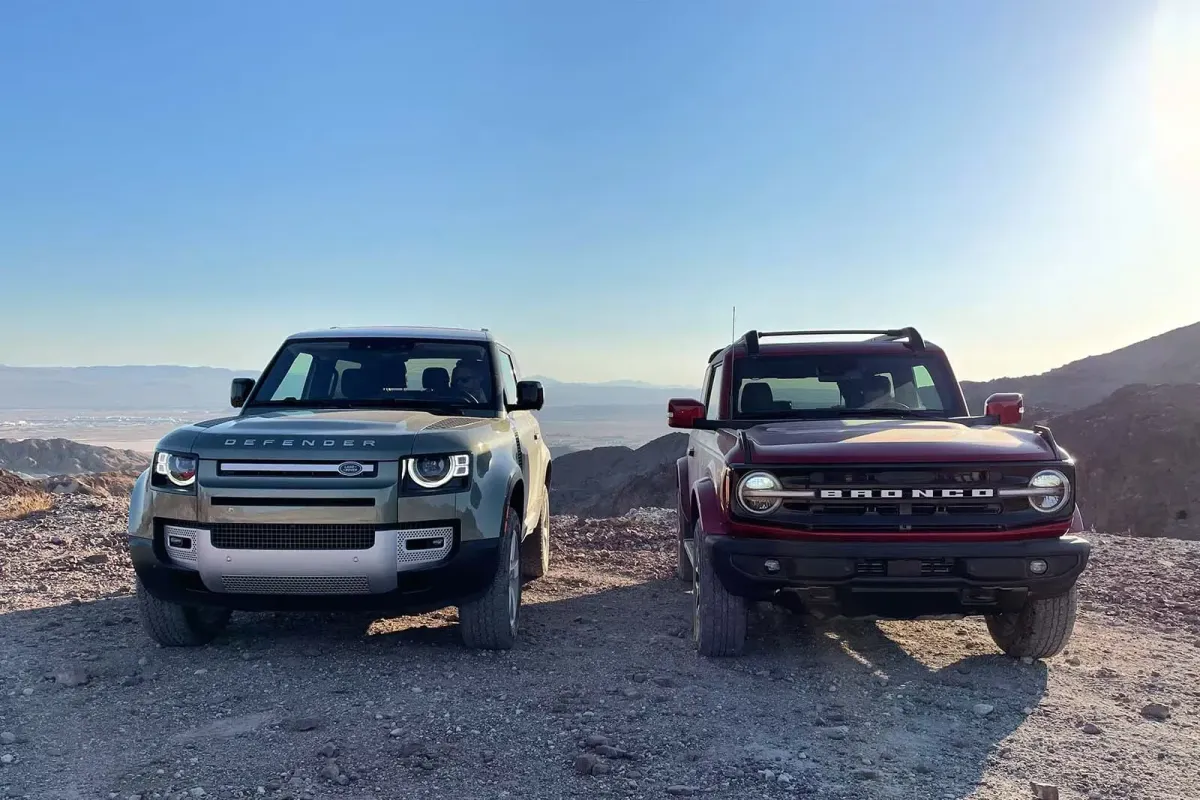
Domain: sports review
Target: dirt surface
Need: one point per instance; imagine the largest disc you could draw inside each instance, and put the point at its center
(604, 681)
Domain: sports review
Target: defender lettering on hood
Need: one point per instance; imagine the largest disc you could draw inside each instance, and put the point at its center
(345, 443)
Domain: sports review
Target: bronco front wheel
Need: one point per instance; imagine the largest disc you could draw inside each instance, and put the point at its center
(1039, 630)
(718, 617)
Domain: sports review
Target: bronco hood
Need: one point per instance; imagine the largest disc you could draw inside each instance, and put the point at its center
(876, 441)
(320, 434)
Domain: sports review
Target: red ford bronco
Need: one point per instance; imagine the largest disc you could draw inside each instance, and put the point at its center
(848, 478)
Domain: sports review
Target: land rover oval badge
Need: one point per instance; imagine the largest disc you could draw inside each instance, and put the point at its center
(350, 468)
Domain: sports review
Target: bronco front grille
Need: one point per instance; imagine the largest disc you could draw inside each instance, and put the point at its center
(253, 536)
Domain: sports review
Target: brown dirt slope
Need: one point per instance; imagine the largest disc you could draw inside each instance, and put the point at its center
(45, 457)
(608, 481)
(1139, 460)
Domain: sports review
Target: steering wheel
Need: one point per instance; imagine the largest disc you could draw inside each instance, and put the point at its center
(887, 402)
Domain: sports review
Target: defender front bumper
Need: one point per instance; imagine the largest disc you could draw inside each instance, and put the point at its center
(386, 576)
(899, 579)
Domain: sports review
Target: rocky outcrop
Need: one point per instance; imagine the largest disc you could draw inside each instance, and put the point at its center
(1172, 357)
(1138, 455)
(43, 458)
(608, 481)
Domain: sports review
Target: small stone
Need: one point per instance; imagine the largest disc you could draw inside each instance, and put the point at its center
(198, 791)
(301, 724)
(1027, 711)
(1156, 711)
(631, 694)
(331, 770)
(585, 763)
(7, 758)
(143, 661)
(640, 677)
(596, 740)
(665, 682)
(328, 750)
(1043, 791)
(785, 778)
(396, 732)
(201, 671)
(342, 779)
(1027, 660)
(72, 676)
(983, 709)
(95, 558)
(682, 791)
(1074, 661)
(1092, 729)
(7, 737)
(27, 692)
(601, 768)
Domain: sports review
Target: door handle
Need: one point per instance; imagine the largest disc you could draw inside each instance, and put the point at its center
(691, 451)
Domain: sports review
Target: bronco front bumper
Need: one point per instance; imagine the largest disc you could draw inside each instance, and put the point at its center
(898, 579)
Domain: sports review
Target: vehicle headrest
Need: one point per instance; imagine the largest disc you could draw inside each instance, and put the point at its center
(359, 384)
(435, 378)
(757, 397)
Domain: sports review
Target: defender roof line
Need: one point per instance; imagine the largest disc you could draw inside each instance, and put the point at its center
(909, 335)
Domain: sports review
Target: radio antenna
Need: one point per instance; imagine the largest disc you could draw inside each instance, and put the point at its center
(733, 326)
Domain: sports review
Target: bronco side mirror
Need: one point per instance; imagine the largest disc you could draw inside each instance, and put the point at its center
(239, 390)
(1006, 407)
(530, 396)
(683, 413)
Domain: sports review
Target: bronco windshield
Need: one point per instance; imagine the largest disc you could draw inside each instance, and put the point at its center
(379, 373)
(830, 385)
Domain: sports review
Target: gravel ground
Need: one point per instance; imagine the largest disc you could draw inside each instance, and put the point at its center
(604, 696)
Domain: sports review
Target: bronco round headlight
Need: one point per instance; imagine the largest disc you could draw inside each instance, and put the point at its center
(1055, 491)
(756, 482)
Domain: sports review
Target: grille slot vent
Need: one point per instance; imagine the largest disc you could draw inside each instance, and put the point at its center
(250, 536)
(312, 584)
(452, 422)
(418, 546)
(520, 451)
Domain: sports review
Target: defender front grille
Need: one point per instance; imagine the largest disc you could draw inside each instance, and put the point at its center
(313, 584)
(252, 536)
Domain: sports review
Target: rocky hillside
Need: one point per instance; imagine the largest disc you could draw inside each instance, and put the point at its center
(608, 481)
(46, 457)
(1139, 460)
(1172, 357)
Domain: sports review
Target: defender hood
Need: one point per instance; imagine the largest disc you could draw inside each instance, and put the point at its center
(322, 433)
(886, 440)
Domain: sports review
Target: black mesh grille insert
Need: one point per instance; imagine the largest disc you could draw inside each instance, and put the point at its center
(236, 536)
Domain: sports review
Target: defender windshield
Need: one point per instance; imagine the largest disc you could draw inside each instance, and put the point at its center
(831, 385)
(379, 373)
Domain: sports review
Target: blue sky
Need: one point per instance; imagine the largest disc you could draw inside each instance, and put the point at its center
(597, 182)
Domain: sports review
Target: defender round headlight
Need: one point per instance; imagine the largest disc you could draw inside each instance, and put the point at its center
(1058, 491)
(759, 482)
(432, 471)
(179, 470)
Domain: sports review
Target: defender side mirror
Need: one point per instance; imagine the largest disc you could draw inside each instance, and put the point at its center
(530, 396)
(239, 390)
(683, 413)
(1007, 407)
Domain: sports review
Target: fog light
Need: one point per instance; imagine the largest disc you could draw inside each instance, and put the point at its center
(771, 565)
(1037, 566)
(179, 542)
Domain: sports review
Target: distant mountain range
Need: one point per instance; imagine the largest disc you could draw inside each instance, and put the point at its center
(1172, 357)
(118, 388)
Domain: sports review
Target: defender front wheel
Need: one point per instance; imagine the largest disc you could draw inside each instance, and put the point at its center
(1040, 630)
(718, 618)
(174, 625)
(535, 550)
(490, 622)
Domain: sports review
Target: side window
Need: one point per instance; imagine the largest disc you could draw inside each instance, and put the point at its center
(508, 376)
(294, 381)
(926, 389)
(712, 403)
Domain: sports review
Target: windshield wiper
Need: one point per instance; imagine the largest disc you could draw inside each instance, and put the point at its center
(432, 407)
(922, 413)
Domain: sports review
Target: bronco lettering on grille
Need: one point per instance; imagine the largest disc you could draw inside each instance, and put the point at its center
(897, 494)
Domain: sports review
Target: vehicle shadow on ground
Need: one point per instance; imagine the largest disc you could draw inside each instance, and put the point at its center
(840, 706)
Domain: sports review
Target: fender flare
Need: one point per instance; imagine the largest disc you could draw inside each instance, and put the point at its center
(138, 502)
(683, 490)
(708, 508)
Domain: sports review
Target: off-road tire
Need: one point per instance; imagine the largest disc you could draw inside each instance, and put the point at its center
(718, 618)
(683, 564)
(175, 625)
(491, 621)
(535, 550)
(1040, 630)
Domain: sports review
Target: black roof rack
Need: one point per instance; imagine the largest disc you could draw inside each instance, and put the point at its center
(913, 339)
